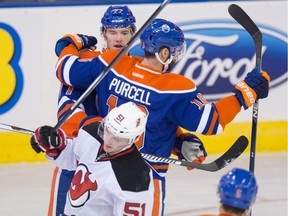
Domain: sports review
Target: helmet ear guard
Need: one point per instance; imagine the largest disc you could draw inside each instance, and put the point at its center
(126, 121)
(238, 188)
(118, 17)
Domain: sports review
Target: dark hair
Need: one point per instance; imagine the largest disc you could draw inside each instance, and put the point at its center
(233, 210)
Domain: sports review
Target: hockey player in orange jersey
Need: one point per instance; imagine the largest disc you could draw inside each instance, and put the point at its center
(118, 26)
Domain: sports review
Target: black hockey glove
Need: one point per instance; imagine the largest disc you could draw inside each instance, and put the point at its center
(46, 139)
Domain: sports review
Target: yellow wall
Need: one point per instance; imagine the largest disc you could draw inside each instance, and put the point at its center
(271, 137)
(15, 147)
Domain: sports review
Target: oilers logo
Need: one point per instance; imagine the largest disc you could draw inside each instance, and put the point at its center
(11, 77)
(220, 53)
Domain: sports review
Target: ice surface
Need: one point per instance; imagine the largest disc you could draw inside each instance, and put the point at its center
(25, 187)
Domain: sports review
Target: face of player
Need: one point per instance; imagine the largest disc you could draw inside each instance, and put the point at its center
(112, 143)
(116, 39)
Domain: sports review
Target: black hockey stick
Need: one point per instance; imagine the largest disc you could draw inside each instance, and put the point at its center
(233, 152)
(242, 18)
(107, 69)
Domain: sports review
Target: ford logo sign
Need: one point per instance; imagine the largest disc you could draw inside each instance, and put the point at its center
(220, 54)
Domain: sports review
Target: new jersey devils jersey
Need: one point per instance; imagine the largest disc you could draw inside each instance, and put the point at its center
(105, 185)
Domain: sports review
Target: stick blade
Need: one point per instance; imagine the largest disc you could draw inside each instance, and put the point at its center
(242, 18)
(230, 155)
(234, 152)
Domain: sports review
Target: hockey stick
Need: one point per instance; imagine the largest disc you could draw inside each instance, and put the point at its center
(233, 152)
(242, 18)
(15, 129)
(107, 69)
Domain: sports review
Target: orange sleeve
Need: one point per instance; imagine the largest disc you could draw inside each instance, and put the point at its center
(91, 120)
(69, 50)
(88, 54)
(227, 108)
(179, 132)
(71, 126)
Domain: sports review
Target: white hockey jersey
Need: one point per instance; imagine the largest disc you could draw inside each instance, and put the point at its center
(105, 186)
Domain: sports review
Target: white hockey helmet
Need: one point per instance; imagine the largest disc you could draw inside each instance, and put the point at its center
(126, 121)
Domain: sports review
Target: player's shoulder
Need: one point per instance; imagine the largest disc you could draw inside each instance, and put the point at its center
(137, 58)
(109, 55)
(124, 64)
(92, 129)
(173, 81)
(130, 163)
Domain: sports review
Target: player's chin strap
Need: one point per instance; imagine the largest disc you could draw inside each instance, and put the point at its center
(165, 64)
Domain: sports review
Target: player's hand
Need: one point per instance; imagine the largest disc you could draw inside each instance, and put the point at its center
(46, 139)
(254, 86)
(191, 148)
(80, 41)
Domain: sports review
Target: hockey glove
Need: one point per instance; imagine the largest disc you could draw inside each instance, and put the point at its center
(46, 139)
(190, 148)
(254, 86)
(78, 40)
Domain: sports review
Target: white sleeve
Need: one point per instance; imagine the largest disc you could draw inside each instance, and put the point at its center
(67, 158)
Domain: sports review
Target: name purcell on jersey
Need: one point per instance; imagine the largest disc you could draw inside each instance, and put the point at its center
(130, 91)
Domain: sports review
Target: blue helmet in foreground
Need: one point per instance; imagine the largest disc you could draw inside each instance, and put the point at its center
(163, 33)
(238, 188)
(118, 17)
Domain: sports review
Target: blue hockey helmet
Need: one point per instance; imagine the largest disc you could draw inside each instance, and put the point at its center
(163, 33)
(238, 188)
(118, 17)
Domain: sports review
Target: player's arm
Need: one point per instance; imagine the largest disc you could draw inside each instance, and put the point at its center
(211, 118)
(72, 125)
(76, 72)
(69, 95)
(67, 98)
(67, 48)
